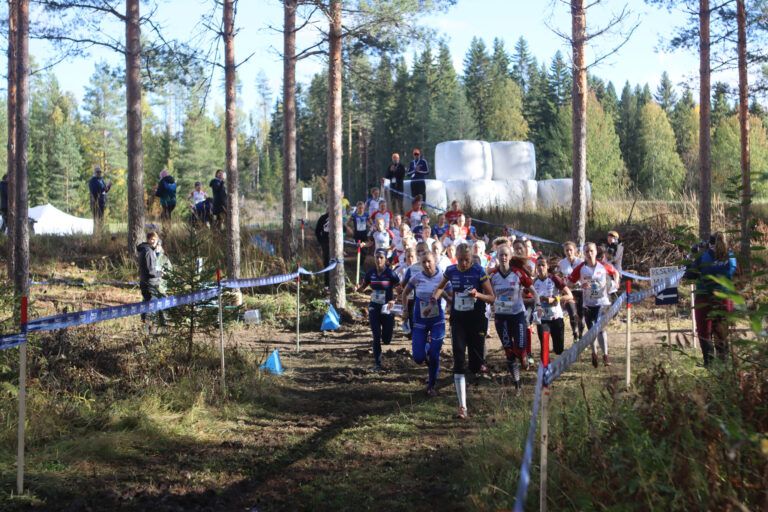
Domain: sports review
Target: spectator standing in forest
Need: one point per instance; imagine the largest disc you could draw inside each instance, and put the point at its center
(166, 191)
(324, 238)
(98, 189)
(614, 252)
(219, 191)
(4, 202)
(396, 176)
(418, 170)
(150, 273)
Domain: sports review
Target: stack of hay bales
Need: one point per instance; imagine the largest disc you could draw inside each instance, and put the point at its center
(485, 175)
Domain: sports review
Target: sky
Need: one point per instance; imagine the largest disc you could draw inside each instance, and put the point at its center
(641, 60)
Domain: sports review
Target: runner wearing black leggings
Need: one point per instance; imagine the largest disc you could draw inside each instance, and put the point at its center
(382, 280)
(552, 291)
(471, 292)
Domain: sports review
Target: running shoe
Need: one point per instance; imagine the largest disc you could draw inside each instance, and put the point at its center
(606, 360)
(530, 360)
(375, 368)
(431, 391)
(462, 415)
(517, 392)
(594, 359)
(483, 368)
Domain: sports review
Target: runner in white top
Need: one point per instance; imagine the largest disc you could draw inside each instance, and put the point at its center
(508, 280)
(372, 204)
(550, 288)
(382, 238)
(595, 278)
(574, 307)
(197, 195)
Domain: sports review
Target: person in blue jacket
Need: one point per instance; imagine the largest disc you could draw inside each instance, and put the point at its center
(166, 191)
(428, 318)
(711, 311)
(98, 189)
(418, 170)
(471, 292)
(382, 281)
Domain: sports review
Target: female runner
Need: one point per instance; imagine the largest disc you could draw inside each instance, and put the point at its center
(508, 281)
(382, 280)
(428, 318)
(574, 307)
(595, 278)
(550, 288)
(471, 291)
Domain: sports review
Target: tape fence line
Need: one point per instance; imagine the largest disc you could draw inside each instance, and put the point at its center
(525, 467)
(567, 358)
(669, 282)
(84, 284)
(12, 340)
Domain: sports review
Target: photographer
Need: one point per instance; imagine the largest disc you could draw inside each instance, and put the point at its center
(713, 260)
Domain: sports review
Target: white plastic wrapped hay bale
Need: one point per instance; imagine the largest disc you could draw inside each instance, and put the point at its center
(472, 194)
(556, 194)
(513, 160)
(435, 190)
(516, 195)
(463, 160)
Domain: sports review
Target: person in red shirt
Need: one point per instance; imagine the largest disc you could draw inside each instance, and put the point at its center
(413, 217)
(461, 222)
(452, 215)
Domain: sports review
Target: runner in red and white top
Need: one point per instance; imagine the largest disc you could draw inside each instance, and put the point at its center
(452, 215)
(521, 251)
(596, 278)
(413, 217)
(382, 213)
(197, 195)
(573, 307)
(508, 281)
(461, 222)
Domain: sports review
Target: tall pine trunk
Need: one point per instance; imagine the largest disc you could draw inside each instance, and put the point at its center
(21, 242)
(579, 194)
(705, 109)
(290, 246)
(746, 185)
(338, 293)
(133, 113)
(233, 179)
(10, 222)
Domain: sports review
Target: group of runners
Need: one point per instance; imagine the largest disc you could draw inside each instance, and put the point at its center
(443, 271)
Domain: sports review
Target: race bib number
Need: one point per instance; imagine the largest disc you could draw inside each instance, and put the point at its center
(361, 225)
(504, 305)
(595, 290)
(434, 311)
(378, 297)
(463, 302)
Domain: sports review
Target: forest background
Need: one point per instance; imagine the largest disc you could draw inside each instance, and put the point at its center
(641, 141)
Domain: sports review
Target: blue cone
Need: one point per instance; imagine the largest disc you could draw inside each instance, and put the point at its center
(272, 364)
(331, 320)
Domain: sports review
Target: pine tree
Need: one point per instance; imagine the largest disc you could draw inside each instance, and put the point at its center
(500, 60)
(666, 96)
(452, 117)
(477, 71)
(104, 103)
(524, 65)
(505, 115)
(721, 109)
(685, 123)
(560, 80)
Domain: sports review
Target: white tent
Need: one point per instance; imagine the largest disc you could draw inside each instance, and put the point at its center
(49, 220)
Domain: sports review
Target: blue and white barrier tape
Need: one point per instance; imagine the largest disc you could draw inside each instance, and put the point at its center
(77, 283)
(634, 276)
(12, 340)
(559, 365)
(525, 467)
(113, 312)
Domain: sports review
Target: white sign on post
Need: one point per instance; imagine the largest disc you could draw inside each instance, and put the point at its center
(668, 295)
(306, 194)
